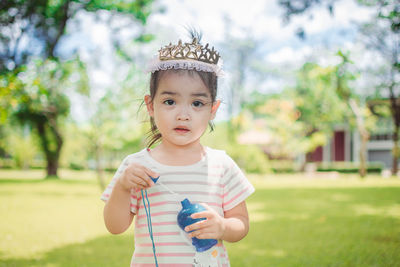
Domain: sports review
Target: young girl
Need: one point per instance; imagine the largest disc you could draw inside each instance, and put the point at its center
(181, 104)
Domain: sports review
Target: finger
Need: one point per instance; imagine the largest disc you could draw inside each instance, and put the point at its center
(138, 183)
(196, 226)
(142, 172)
(201, 214)
(151, 173)
(148, 175)
(133, 185)
(205, 235)
(144, 177)
(135, 178)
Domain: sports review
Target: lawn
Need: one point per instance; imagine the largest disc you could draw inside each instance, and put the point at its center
(295, 221)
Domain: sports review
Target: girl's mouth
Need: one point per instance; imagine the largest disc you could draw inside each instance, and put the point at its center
(181, 130)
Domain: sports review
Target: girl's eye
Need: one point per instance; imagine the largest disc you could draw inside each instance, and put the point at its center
(169, 102)
(198, 104)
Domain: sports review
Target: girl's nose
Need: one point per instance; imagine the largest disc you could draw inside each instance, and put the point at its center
(183, 114)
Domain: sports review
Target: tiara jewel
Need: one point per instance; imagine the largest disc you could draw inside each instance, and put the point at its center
(193, 51)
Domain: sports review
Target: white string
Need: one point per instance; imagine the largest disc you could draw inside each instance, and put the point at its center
(169, 190)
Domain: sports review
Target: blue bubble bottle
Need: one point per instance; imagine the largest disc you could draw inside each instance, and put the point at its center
(184, 220)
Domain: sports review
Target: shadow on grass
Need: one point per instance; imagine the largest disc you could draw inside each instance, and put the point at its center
(55, 188)
(21, 181)
(57, 195)
(45, 180)
(102, 251)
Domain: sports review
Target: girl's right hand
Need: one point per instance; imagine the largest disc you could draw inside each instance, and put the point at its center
(137, 176)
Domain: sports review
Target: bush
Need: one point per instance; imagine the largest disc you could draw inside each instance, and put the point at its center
(7, 163)
(250, 158)
(76, 166)
(23, 150)
(38, 164)
(283, 166)
(110, 169)
(349, 167)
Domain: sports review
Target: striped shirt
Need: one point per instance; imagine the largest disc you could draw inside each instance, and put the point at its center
(215, 180)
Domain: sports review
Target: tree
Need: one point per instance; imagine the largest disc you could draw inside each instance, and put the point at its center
(316, 98)
(378, 37)
(317, 102)
(363, 117)
(241, 52)
(245, 56)
(301, 118)
(381, 35)
(43, 24)
(112, 128)
(40, 101)
(286, 136)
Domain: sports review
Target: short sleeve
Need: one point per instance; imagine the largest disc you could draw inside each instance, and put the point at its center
(236, 187)
(107, 192)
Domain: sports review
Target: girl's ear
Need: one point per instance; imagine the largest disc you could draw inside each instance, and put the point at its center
(149, 105)
(214, 108)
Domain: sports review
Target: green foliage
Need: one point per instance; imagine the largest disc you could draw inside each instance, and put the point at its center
(34, 85)
(115, 128)
(145, 38)
(7, 98)
(75, 153)
(303, 117)
(7, 163)
(44, 22)
(344, 76)
(349, 167)
(316, 98)
(77, 166)
(388, 10)
(19, 147)
(289, 135)
(37, 91)
(40, 88)
(140, 9)
(283, 166)
(23, 150)
(249, 157)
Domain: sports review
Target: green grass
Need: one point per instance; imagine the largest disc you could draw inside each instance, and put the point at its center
(295, 221)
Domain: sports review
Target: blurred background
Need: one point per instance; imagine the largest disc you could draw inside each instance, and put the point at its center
(308, 84)
(311, 88)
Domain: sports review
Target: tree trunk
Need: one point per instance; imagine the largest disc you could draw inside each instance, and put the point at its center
(395, 149)
(45, 130)
(395, 111)
(364, 135)
(52, 168)
(363, 150)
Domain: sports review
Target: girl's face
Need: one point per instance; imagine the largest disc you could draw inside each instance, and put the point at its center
(181, 108)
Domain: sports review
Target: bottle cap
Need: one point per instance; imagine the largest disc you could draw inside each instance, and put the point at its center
(185, 203)
(154, 179)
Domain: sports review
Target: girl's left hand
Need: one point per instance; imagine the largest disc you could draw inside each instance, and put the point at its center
(213, 227)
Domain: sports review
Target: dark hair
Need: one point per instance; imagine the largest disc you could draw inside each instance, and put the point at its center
(209, 79)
